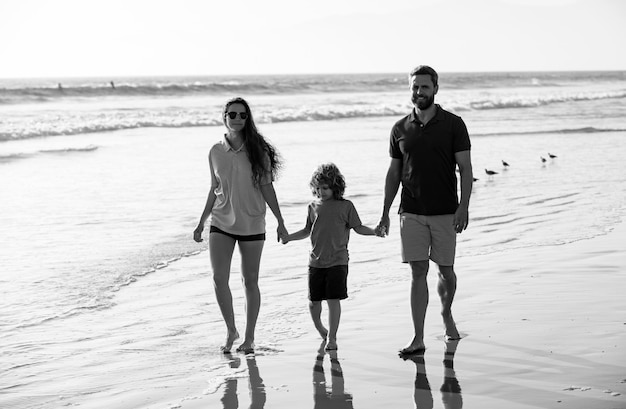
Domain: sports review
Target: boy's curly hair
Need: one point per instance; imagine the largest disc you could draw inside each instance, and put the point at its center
(328, 174)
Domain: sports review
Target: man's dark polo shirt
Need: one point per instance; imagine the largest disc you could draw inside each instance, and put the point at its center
(429, 184)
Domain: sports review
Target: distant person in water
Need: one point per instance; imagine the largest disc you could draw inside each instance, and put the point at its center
(242, 167)
(425, 147)
(112, 84)
(328, 223)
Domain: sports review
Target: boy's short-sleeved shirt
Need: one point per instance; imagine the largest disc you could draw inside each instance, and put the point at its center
(429, 183)
(239, 206)
(330, 222)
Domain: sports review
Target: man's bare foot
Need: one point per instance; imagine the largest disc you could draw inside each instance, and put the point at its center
(415, 347)
(231, 337)
(451, 332)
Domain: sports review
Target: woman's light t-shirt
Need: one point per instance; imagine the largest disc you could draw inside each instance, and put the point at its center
(239, 205)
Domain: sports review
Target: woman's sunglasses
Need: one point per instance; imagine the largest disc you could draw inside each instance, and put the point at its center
(233, 115)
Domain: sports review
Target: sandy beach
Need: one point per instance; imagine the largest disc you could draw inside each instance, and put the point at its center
(546, 331)
(543, 327)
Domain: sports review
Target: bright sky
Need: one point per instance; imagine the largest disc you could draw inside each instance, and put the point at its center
(66, 38)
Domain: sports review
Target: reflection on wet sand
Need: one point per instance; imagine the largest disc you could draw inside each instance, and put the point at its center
(331, 396)
(422, 394)
(256, 387)
(450, 388)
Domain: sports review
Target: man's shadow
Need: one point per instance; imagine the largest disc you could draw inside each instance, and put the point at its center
(256, 387)
(450, 388)
(331, 396)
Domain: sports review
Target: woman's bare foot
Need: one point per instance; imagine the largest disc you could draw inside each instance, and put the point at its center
(231, 337)
(246, 347)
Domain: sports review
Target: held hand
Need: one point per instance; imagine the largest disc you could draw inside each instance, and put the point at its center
(383, 226)
(461, 219)
(281, 233)
(197, 233)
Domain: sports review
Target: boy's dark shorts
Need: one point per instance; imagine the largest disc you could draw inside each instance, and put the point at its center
(329, 283)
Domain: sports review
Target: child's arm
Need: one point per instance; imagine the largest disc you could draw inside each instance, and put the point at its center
(299, 235)
(355, 221)
(365, 231)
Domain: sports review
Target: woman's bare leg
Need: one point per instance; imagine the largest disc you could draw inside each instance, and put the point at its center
(221, 249)
(250, 263)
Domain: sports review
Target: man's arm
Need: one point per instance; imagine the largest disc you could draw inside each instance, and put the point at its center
(461, 216)
(392, 184)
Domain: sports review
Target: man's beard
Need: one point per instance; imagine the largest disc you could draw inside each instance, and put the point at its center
(423, 103)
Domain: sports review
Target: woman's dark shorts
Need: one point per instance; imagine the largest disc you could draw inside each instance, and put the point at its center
(238, 237)
(329, 283)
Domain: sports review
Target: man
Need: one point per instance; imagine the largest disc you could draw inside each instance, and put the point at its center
(426, 146)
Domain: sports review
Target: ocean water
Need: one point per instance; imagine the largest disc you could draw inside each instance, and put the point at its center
(102, 186)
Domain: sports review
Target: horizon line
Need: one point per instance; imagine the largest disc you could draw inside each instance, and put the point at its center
(99, 76)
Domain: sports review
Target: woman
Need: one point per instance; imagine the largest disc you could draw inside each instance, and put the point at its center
(243, 166)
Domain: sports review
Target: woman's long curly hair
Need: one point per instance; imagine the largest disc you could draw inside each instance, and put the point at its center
(328, 174)
(257, 147)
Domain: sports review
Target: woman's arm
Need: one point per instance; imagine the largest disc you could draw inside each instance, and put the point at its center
(208, 207)
(269, 195)
(197, 233)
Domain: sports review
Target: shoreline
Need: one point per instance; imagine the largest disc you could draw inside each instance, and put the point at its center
(542, 323)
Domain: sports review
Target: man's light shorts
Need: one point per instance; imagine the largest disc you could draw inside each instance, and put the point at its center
(428, 237)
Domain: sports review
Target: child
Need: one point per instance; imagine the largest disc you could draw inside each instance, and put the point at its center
(328, 223)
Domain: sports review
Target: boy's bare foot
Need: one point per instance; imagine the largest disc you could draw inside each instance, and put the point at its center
(322, 330)
(231, 337)
(321, 350)
(331, 345)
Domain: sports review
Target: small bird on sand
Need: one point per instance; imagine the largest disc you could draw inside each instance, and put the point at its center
(490, 172)
(551, 155)
(506, 165)
(543, 159)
